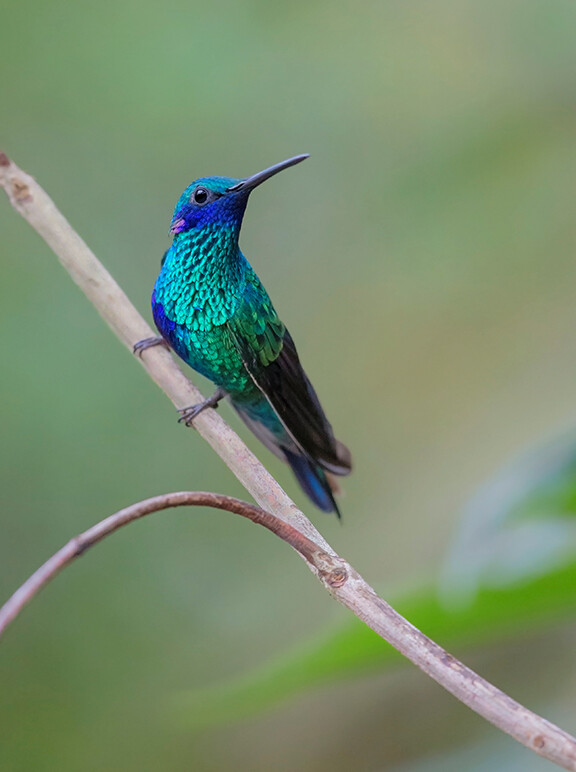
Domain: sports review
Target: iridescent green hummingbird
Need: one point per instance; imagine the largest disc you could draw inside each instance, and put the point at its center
(212, 310)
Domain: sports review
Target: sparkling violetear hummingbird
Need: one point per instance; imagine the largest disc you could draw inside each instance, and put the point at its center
(212, 310)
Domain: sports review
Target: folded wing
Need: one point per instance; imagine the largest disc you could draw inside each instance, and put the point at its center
(271, 359)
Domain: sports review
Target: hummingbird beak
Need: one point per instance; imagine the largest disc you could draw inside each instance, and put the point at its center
(257, 179)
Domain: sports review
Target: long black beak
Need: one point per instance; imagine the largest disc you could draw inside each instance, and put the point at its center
(257, 179)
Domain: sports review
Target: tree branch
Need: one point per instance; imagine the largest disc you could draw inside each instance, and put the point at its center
(341, 580)
(80, 544)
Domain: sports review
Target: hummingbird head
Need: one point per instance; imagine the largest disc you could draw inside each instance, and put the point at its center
(220, 200)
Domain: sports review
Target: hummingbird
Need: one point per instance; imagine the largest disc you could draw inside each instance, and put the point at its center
(212, 310)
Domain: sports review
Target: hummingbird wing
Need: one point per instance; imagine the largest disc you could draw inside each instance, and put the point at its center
(270, 357)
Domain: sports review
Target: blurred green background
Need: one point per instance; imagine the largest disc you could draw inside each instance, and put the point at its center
(423, 259)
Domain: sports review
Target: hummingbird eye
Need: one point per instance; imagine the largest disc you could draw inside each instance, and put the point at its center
(200, 196)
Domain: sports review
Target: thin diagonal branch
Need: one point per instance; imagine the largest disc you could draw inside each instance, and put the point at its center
(343, 582)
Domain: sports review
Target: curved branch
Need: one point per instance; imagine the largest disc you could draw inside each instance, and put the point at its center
(340, 579)
(80, 544)
(282, 515)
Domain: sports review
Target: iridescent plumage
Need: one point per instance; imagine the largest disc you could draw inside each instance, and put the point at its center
(212, 310)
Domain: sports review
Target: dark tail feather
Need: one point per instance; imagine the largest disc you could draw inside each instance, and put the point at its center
(313, 481)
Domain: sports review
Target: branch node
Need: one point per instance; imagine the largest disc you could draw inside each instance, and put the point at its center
(20, 191)
(337, 578)
(331, 568)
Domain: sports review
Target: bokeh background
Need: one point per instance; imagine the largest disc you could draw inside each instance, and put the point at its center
(423, 259)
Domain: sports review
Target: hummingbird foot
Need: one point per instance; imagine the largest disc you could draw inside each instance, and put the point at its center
(188, 414)
(142, 345)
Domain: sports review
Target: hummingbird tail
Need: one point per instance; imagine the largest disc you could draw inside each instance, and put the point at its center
(317, 483)
(313, 481)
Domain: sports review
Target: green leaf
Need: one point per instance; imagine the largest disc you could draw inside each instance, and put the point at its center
(353, 649)
(520, 524)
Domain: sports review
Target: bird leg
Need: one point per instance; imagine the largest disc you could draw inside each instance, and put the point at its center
(188, 414)
(142, 345)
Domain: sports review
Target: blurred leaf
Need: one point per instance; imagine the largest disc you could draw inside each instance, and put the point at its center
(354, 649)
(520, 524)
